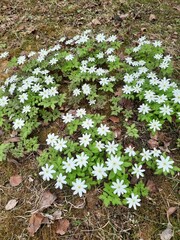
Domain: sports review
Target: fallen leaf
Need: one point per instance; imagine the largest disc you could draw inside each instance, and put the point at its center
(114, 119)
(117, 133)
(124, 16)
(47, 199)
(151, 186)
(57, 215)
(96, 22)
(15, 180)
(152, 17)
(167, 234)
(12, 140)
(152, 143)
(11, 204)
(35, 223)
(170, 211)
(119, 92)
(62, 226)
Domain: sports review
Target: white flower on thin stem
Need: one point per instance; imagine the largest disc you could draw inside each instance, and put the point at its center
(155, 125)
(130, 151)
(100, 145)
(149, 96)
(111, 147)
(100, 38)
(3, 101)
(156, 152)
(137, 170)
(86, 89)
(80, 112)
(81, 160)
(47, 172)
(103, 130)
(51, 139)
(21, 60)
(68, 118)
(164, 84)
(119, 186)
(69, 57)
(18, 123)
(76, 92)
(85, 139)
(161, 98)
(23, 97)
(69, 165)
(127, 89)
(144, 108)
(114, 163)
(146, 154)
(99, 171)
(4, 55)
(166, 110)
(79, 187)
(26, 109)
(60, 144)
(111, 58)
(60, 181)
(53, 61)
(165, 163)
(133, 201)
(87, 124)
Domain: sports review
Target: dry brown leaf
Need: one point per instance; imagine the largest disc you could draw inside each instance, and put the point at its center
(151, 186)
(114, 119)
(35, 223)
(152, 143)
(15, 180)
(96, 22)
(152, 17)
(117, 133)
(47, 199)
(124, 16)
(57, 215)
(12, 140)
(167, 234)
(11, 204)
(170, 211)
(62, 226)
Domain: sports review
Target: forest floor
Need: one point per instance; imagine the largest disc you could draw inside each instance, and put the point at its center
(27, 25)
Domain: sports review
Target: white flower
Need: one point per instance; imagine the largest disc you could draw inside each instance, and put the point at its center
(21, 60)
(99, 171)
(47, 172)
(165, 163)
(48, 79)
(76, 92)
(164, 84)
(111, 58)
(60, 181)
(51, 139)
(167, 58)
(112, 38)
(80, 112)
(128, 60)
(83, 68)
(164, 65)
(23, 97)
(127, 89)
(100, 145)
(85, 139)
(81, 160)
(161, 98)
(86, 89)
(44, 93)
(69, 165)
(104, 81)
(91, 59)
(92, 102)
(146, 155)
(144, 108)
(69, 57)
(4, 55)
(119, 186)
(60, 144)
(79, 187)
(137, 170)
(100, 71)
(36, 71)
(114, 163)
(158, 56)
(18, 123)
(100, 38)
(36, 88)
(92, 69)
(111, 147)
(128, 78)
(155, 125)
(133, 201)
(53, 91)
(166, 110)
(88, 123)
(149, 96)
(68, 118)
(3, 101)
(156, 152)
(26, 109)
(130, 151)
(31, 54)
(53, 61)
(157, 43)
(100, 55)
(109, 51)
(103, 130)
